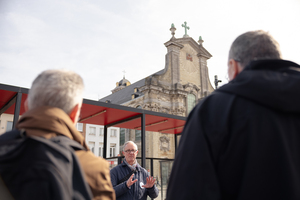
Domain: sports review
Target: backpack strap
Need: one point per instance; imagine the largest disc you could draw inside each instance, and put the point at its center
(67, 143)
(125, 178)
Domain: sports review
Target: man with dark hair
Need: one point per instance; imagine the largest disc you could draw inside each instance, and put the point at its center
(243, 142)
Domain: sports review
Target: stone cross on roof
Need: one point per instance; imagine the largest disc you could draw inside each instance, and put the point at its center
(185, 29)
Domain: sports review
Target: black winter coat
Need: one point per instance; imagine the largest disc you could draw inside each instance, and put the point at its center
(136, 191)
(243, 141)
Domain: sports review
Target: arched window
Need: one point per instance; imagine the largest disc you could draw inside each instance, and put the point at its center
(191, 102)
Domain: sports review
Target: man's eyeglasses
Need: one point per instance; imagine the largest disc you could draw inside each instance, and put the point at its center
(131, 151)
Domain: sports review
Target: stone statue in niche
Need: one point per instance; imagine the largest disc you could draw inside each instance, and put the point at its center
(164, 143)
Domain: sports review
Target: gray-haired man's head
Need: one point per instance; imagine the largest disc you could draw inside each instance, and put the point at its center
(125, 144)
(56, 88)
(254, 45)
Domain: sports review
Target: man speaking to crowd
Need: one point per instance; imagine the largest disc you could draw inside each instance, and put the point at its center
(243, 141)
(129, 179)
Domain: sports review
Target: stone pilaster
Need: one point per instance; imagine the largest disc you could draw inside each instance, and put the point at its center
(173, 57)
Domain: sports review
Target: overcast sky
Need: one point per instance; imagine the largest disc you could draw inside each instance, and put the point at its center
(100, 39)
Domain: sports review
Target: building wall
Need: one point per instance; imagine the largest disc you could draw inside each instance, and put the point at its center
(189, 70)
(94, 136)
(95, 139)
(6, 121)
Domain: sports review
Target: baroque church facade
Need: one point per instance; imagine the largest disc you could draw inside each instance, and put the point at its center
(174, 90)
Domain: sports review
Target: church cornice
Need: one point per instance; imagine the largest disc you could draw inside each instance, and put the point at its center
(158, 89)
(172, 42)
(151, 87)
(190, 41)
(191, 86)
(179, 89)
(201, 51)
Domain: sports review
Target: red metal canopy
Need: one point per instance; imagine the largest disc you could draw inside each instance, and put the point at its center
(100, 113)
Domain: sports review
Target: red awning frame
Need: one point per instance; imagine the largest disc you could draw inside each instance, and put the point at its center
(12, 100)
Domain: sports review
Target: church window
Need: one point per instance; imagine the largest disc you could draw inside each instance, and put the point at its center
(137, 135)
(122, 136)
(133, 96)
(191, 102)
(140, 107)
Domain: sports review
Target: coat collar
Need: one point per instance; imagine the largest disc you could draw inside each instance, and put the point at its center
(271, 64)
(46, 121)
(138, 167)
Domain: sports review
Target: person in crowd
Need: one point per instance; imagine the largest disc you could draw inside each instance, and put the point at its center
(52, 109)
(129, 179)
(242, 142)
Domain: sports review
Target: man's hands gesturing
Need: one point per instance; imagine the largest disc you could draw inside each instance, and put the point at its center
(130, 182)
(150, 182)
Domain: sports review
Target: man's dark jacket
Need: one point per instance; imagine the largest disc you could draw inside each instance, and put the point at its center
(136, 192)
(243, 141)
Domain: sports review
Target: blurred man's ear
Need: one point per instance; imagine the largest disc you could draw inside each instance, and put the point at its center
(74, 114)
(26, 105)
(234, 68)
